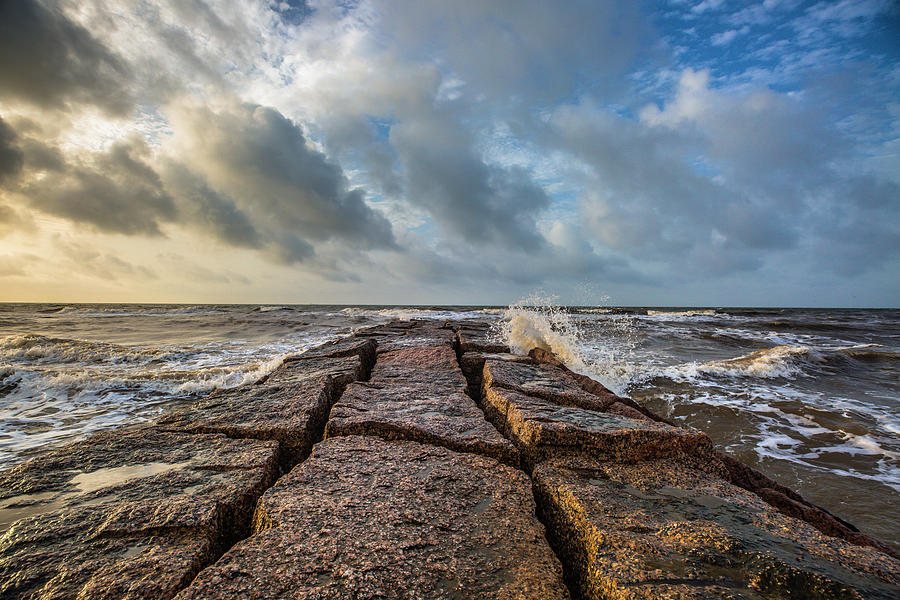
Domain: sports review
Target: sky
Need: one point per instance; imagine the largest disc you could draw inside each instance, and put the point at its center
(669, 153)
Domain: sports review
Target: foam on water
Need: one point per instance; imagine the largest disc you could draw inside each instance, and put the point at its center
(675, 314)
(54, 389)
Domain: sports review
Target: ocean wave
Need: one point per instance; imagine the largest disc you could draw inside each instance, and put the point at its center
(682, 313)
(266, 308)
(90, 310)
(42, 348)
(537, 322)
(409, 314)
(780, 361)
(783, 361)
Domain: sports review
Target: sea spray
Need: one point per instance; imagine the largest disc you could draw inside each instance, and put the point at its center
(538, 322)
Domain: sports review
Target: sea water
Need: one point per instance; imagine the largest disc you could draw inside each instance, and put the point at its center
(810, 397)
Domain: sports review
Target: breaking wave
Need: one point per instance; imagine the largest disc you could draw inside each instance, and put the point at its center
(682, 313)
(46, 349)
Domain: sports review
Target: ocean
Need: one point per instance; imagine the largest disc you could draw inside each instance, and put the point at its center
(810, 397)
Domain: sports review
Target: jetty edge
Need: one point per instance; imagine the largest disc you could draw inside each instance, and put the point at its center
(419, 460)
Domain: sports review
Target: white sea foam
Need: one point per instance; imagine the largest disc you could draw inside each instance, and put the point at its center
(681, 313)
(537, 322)
(408, 314)
(42, 348)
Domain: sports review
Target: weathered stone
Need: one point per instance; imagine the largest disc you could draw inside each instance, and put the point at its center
(472, 365)
(594, 387)
(423, 413)
(293, 413)
(789, 502)
(623, 410)
(422, 365)
(366, 518)
(544, 381)
(364, 348)
(127, 514)
(665, 529)
(388, 329)
(426, 358)
(479, 340)
(541, 429)
(420, 336)
(341, 370)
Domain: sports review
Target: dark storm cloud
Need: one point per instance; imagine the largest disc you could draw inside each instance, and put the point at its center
(263, 159)
(481, 202)
(48, 60)
(10, 153)
(115, 191)
(212, 212)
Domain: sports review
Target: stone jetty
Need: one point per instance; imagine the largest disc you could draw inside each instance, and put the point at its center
(419, 461)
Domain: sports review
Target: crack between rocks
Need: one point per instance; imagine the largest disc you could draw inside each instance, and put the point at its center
(228, 538)
(476, 394)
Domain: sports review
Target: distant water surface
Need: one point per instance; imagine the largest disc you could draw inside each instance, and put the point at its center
(810, 397)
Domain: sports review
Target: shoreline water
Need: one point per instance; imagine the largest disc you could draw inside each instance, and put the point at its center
(809, 396)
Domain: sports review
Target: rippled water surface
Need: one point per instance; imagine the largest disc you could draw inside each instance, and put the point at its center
(811, 397)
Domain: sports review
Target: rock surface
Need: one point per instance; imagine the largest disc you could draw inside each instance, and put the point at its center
(423, 413)
(665, 529)
(342, 371)
(541, 429)
(127, 514)
(292, 412)
(367, 518)
(364, 348)
(420, 336)
(421, 365)
(544, 381)
(479, 339)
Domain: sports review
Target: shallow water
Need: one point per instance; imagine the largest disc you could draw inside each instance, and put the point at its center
(811, 397)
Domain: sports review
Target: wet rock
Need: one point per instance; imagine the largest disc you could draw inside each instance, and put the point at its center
(350, 346)
(341, 370)
(623, 410)
(293, 413)
(420, 336)
(789, 502)
(425, 413)
(666, 529)
(479, 340)
(387, 330)
(422, 365)
(472, 365)
(367, 518)
(545, 381)
(595, 387)
(541, 429)
(127, 514)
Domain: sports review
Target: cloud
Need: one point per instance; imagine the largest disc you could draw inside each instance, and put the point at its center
(212, 212)
(88, 260)
(706, 5)
(482, 203)
(48, 60)
(10, 153)
(117, 191)
(514, 49)
(262, 161)
(726, 37)
(15, 265)
(12, 220)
